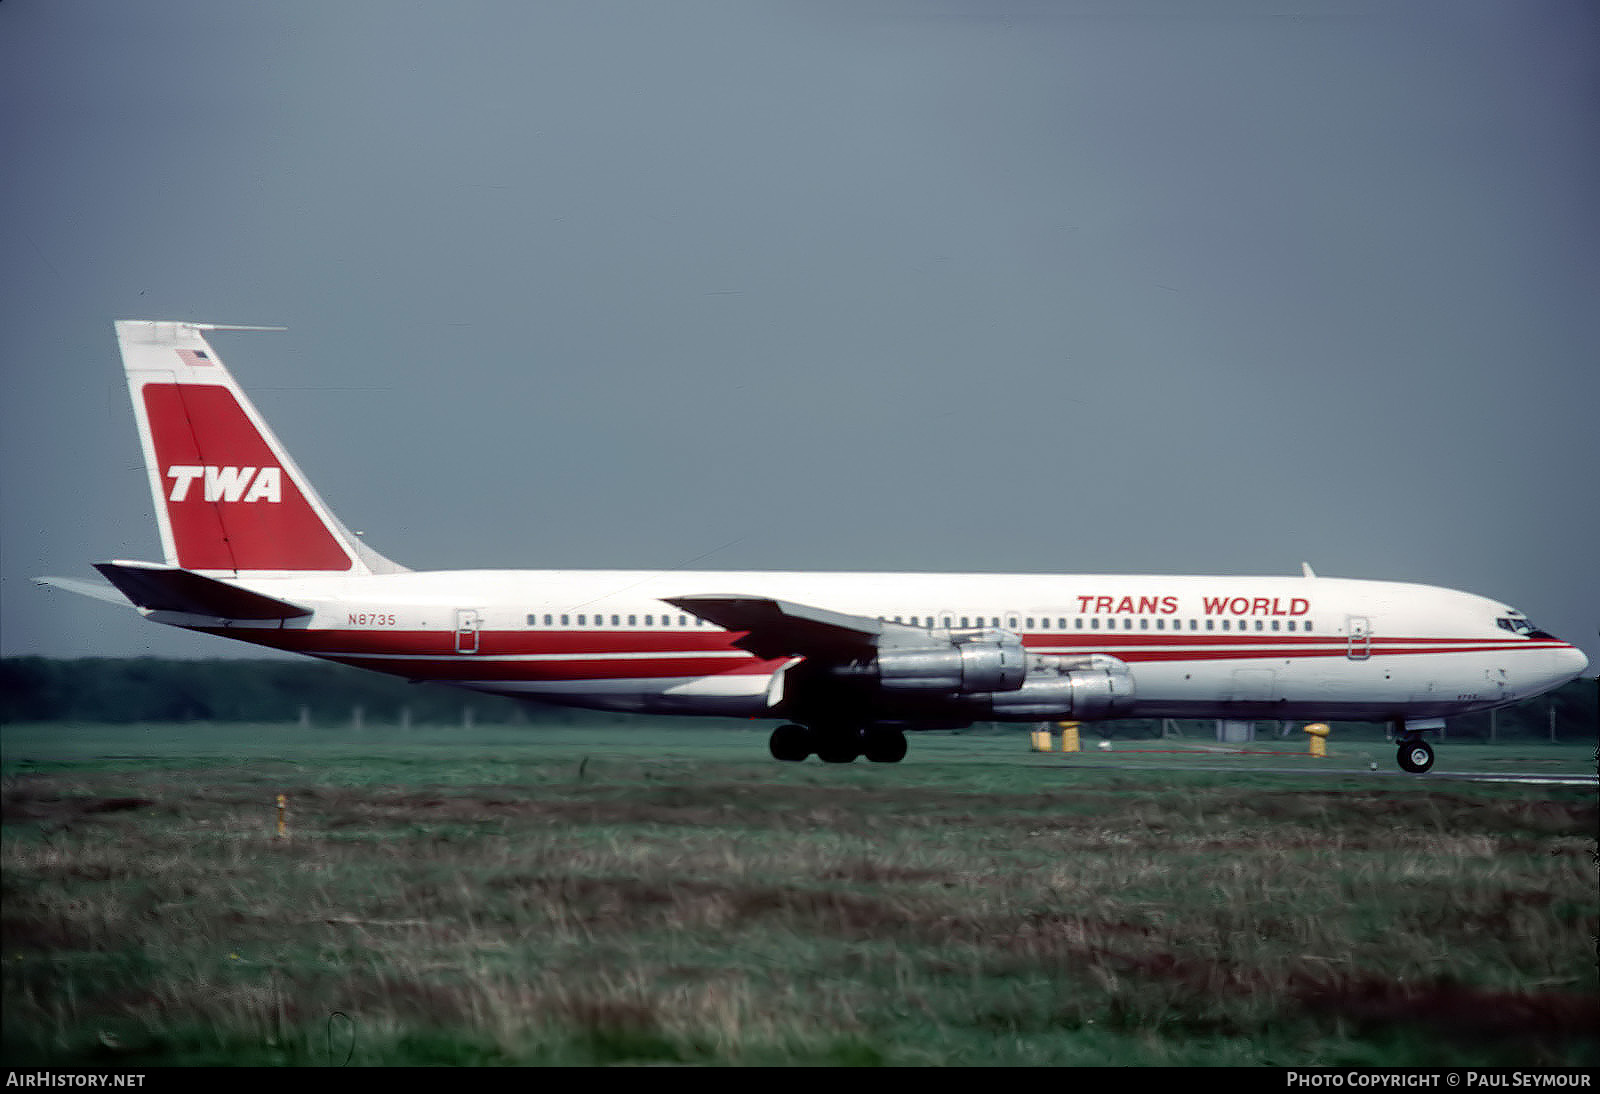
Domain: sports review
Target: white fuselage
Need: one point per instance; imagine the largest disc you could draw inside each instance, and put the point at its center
(1261, 647)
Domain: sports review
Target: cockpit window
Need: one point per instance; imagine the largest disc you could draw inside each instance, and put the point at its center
(1519, 625)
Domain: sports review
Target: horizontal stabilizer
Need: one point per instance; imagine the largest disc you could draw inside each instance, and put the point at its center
(84, 587)
(161, 588)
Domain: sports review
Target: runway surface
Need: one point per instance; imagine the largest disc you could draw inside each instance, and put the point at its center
(1523, 778)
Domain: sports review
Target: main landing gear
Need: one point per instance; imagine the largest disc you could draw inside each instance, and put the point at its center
(837, 744)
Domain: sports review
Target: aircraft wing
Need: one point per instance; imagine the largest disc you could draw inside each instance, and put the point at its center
(781, 628)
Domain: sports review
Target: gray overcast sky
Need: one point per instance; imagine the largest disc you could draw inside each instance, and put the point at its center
(1097, 286)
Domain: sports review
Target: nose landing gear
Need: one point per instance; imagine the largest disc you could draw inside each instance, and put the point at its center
(1414, 756)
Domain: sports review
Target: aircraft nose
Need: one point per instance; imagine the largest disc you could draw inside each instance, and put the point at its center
(1571, 661)
(1558, 665)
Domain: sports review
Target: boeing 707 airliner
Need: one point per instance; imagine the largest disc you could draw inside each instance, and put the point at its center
(846, 662)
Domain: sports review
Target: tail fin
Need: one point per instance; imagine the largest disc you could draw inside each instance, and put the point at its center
(228, 498)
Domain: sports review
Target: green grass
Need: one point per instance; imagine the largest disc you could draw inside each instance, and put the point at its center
(527, 896)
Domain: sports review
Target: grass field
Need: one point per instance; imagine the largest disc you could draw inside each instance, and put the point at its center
(527, 896)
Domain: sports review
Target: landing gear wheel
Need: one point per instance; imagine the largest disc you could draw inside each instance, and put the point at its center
(884, 746)
(838, 745)
(1414, 756)
(790, 743)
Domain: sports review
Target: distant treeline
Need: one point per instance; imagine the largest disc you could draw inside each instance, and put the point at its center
(147, 689)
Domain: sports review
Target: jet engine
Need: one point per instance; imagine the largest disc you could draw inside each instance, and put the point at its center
(977, 662)
(1083, 688)
(976, 676)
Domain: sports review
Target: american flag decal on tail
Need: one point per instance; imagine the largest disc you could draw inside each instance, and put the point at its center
(193, 357)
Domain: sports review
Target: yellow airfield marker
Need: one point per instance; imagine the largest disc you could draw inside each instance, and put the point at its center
(1069, 736)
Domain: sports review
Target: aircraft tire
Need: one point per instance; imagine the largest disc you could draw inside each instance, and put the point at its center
(1414, 756)
(790, 743)
(838, 744)
(884, 746)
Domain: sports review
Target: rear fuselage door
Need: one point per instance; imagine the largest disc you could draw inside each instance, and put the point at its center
(1358, 637)
(469, 623)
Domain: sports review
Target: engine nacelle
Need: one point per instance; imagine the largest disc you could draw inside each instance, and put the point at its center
(977, 676)
(986, 661)
(966, 664)
(1086, 689)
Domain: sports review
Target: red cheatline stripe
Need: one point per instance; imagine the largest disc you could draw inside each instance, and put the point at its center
(616, 655)
(468, 667)
(503, 643)
(1266, 651)
(601, 643)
